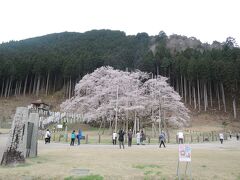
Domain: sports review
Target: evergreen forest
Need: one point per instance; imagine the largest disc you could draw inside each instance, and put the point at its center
(206, 76)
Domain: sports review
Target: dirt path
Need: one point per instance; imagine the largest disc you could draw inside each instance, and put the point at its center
(229, 144)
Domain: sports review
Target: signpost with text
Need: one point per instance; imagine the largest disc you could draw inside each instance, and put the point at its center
(184, 155)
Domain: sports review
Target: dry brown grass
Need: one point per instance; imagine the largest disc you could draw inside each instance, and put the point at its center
(56, 161)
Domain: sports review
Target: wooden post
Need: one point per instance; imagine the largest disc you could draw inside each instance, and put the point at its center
(191, 138)
(177, 139)
(86, 139)
(99, 138)
(203, 138)
(198, 138)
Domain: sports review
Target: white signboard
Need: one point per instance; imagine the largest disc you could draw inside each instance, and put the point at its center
(59, 126)
(184, 151)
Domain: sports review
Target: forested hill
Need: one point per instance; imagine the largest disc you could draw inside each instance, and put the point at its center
(206, 76)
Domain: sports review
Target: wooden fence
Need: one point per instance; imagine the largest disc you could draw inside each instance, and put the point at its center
(107, 139)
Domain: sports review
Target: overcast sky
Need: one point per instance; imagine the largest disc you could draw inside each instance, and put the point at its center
(206, 20)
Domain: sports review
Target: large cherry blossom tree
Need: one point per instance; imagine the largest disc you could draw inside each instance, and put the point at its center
(127, 99)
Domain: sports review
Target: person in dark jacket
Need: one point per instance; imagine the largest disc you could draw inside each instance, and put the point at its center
(162, 139)
(142, 137)
(79, 136)
(130, 133)
(121, 138)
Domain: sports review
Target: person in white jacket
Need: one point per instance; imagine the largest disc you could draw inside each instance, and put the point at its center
(114, 138)
(47, 136)
(221, 137)
(180, 137)
(138, 136)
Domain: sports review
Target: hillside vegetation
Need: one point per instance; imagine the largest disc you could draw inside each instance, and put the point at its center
(206, 76)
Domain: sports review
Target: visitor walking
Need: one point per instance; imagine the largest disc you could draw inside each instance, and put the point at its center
(162, 139)
(180, 137)
(47, 136)
(121, 138)
(138, 136)
(114, 138)
(142, 137)
(79, 136)
(237, 136)
(130, 133)
(73, 136)
(221, 137)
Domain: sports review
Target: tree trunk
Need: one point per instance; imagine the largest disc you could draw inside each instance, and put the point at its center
(16, 88)
(46, 92)
(223, 97)
(66, 89)
(205, 96)
(100, 126)
(177, 86)
(190, 93)
(181, 86)
(218, 97)
(165, 126)
(157, 70)
(194, 98)
(34, 84)
(185, 89)
(25, 85)
(127, 119)
(31, 85)
(2, 88)
(54, 86)
(6, 88)
(198, 88)
(210, 93)
(138, 124)
(38, 85)
(159, 119)
(116, 120)
(42, 88)
(10, 88)
(135, 123)
(234, 108)
(20, 87)
(70, 88)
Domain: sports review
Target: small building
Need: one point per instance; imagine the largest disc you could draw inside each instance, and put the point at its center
(40, 107)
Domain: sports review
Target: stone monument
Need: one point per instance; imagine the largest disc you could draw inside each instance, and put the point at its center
(22, 141)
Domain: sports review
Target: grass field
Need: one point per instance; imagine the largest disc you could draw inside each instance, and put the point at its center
(60, 161)
(94, 161)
